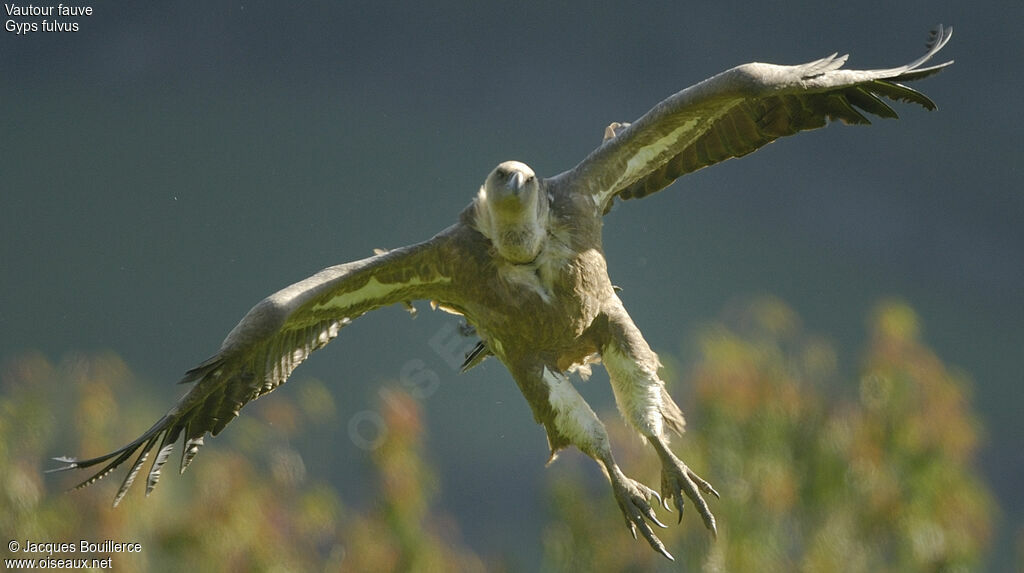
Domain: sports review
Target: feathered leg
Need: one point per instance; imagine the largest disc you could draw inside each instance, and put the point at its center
(569, 420)
(642, 399)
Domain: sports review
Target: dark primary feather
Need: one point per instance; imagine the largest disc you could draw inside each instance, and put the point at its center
(267, 345)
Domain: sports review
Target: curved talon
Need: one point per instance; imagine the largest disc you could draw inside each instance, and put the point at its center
(702, 507)
(703, 485)
(649, 511)
(661, 549)
(633, 499)
(654, 518)
(655, 494)
(653, 540)
(679, 479)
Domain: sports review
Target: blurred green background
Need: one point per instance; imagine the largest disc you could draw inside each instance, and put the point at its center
(840, 313)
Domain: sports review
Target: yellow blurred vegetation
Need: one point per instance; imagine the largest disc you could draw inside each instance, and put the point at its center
(817, 473)
(251, 506)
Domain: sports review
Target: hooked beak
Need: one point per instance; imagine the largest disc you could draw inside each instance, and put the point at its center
(516, 182)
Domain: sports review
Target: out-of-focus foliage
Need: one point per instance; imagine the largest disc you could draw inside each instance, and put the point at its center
(875, 476)
(879, 478)
(397, 535)
(250, 507)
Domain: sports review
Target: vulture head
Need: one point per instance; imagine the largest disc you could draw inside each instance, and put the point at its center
(512, 212)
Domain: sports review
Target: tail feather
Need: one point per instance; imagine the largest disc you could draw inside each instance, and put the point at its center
(475, 356)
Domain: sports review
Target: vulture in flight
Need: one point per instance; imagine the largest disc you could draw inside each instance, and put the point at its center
(524, 265)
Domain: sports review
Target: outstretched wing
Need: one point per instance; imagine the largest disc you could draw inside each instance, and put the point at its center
(737, 112)
(270, 341)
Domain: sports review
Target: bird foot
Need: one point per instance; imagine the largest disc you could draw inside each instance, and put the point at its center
(634, 498)
(677, 479)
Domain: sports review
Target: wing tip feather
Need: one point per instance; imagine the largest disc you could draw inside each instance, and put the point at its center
(938, 37)
(189, 452)
(144, 445)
